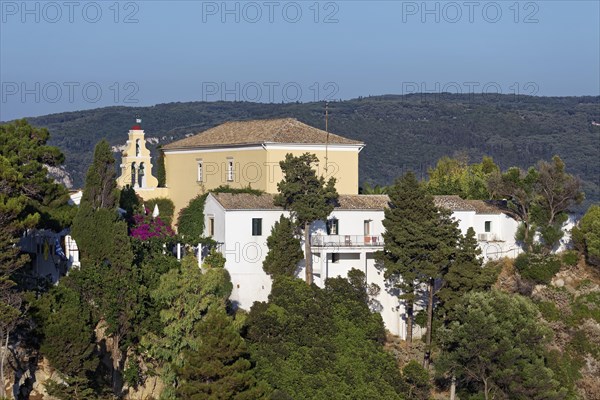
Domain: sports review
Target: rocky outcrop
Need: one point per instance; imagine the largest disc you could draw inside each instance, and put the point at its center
(60, 175)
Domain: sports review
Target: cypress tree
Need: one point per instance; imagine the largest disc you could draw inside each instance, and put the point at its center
(100, 185)
(161, 172)
(108, 276)
(285, 251)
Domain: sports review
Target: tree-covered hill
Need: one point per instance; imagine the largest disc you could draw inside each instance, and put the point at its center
(401, 132)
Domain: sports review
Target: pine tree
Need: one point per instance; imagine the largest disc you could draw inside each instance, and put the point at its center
(219, 366)
(29, 198)
(419, 242)
(285, 251)
(405, 227)
(496, 345)
(24, 155)
(308, 197)
(466, 274)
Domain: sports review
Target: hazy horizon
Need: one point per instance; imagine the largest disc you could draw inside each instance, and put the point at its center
(60, 57)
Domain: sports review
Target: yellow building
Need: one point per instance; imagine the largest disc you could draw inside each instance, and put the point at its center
(244, 154)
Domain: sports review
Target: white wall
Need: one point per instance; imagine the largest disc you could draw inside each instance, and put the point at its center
(245, 253)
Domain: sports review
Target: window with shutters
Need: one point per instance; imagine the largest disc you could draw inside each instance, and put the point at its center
(333, 227)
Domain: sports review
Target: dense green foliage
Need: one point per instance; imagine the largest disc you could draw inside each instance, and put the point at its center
(219, 366)
(540, 198)
(496, 347)
(308, 196)
(587, 235)
(29, 198)
(108, 276)
(465, 274)
(416, 382)
(166, 208)
(457, 176)
(129, 200)
(161, 172)
(24, 158)
(190, 223)
(306, 342)
(68, 343)
(285, 251)
(184, 295)
(536, 267)
(100, 186)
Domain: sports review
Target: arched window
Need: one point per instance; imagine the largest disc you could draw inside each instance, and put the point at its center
(142, 176)
(133, 176)
(137, 147)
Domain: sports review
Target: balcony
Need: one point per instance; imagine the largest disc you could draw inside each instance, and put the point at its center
(346, 241)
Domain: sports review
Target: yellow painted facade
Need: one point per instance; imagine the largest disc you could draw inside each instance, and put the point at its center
(193, 171)
(252, 166)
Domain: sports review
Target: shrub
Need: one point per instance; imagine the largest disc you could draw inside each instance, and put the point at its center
(147, 227)
(582, 345)
(570, 258)
(537, 268)
(586, 236)
(566, 370)
(214, 260)
(549, 311)
(416, 381)
(585, 307)
(190, 223)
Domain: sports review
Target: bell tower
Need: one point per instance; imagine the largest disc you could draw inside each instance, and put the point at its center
(136, 164)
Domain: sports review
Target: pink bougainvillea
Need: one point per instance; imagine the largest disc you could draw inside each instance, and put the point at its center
(146, 227)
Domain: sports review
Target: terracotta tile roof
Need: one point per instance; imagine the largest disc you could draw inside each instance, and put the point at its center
(455, 203)
(284, 130)
(247, 201)
(363, 202)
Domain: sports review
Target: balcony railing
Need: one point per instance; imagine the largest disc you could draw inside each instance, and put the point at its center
(346, 240)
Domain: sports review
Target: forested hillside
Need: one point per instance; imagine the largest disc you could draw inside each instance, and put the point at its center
(401, 132)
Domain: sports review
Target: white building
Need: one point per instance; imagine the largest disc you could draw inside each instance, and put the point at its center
(52, 254)
(349, 238)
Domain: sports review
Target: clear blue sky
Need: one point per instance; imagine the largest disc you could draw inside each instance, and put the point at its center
(60, 57)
